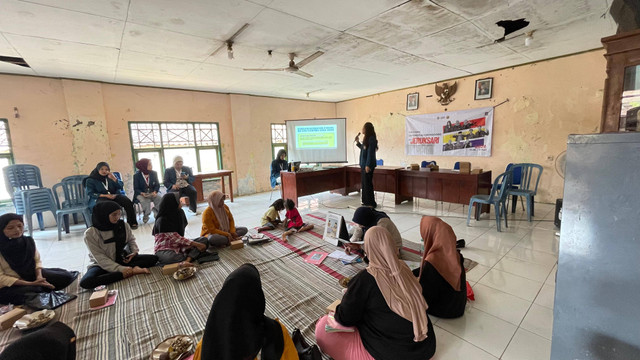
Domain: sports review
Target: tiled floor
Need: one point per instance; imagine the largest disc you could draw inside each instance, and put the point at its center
(514, 282)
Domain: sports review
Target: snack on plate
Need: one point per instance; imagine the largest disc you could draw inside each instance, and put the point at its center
(184, 273)
(179, 346)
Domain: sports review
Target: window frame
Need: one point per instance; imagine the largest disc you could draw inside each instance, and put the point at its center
(161, 149)
(277, 144)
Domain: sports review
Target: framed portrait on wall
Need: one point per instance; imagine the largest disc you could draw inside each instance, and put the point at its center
(484, 89)
(412, 101)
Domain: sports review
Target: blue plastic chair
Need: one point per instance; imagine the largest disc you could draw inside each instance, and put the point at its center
(497, 198)
(379, 162)
(528, 185)
(456, 166)
(517, 178)
(426, 163)
(24, 183)
(75, 201)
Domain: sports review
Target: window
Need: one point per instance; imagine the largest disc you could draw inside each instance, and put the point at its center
(197, 143)
(6, 156)
(278, 139)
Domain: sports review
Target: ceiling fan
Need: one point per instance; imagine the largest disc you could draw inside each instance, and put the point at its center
(293, 67)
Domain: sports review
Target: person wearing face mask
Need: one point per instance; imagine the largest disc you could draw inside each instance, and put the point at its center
(179, 178)
(103, 185)
(21, 270)
(112, 248)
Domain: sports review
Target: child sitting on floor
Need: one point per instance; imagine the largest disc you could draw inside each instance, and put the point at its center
(293, 221)
(271, 218)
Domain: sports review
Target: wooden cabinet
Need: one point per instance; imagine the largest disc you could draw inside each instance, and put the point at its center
(621, 99)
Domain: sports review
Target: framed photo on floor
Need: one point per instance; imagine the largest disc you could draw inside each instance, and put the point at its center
(412, 101)
(484, 89)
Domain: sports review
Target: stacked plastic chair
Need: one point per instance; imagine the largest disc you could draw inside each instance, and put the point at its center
(24, 183)
(75, 201)
(497, 198)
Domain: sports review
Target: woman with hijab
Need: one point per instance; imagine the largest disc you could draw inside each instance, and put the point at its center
(441, 273)
(217, 222)
(103, 185)
(113, 251)
(237, 328)
(146, 187)
(170, 244)
(368, 150)
(54, 342)
(277, 165)
(365, 217)
(21, 270)
(384, 304)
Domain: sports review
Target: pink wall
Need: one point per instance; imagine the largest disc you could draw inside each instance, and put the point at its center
(548, 101)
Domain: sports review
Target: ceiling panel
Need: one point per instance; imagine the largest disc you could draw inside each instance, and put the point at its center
(47, 22)
(130, 60)
(387, 44)
(6, 49)
(116, 9)
(285, 33)
(335, 14)
(40, 50)
(217, 19)
(461, 45)
(160, 42)
(403, 24)
(15, 69)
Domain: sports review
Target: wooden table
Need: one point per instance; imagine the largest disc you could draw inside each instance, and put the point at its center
(444, 185)
(197, 183)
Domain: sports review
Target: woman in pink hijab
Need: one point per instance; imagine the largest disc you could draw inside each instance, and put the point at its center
(441, 273)
(217, 222)
(385, 307)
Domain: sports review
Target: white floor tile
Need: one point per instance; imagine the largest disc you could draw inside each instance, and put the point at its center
(533, 271)
(539, 320)
(500, 304)
(527, 346)
(533, 256)
(486, 258)
(493, 244)
(515, 285)
(546, 296)
(482, 330)
(477, 273)
(450, 347)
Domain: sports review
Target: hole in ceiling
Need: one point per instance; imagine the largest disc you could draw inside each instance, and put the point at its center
(511, 26)
(14, 60)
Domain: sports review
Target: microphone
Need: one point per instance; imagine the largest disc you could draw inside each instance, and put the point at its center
(357, 136)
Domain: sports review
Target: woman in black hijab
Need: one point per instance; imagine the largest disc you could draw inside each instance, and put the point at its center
(112, 248)
(170, 244)
(103, 185)
(237, 328)
(21, 270)
(366, 217)
(54, 342)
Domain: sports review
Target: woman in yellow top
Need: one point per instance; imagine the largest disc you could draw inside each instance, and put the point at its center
(237, 328)
(21, 270)
(217, 222)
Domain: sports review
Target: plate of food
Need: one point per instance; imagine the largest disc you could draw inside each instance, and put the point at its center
(184, 273)
(35, 319)
(178, 347)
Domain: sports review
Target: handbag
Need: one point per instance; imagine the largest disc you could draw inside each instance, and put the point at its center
(305, 352)
(48, 300)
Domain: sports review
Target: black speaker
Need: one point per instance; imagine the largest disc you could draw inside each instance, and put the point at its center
(557, 219)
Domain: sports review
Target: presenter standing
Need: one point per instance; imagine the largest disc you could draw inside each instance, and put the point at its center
(368, 149)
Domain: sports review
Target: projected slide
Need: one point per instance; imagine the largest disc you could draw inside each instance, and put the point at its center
(317, 140)
(316, 137)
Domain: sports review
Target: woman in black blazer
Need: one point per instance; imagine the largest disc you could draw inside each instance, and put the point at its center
(146, 187)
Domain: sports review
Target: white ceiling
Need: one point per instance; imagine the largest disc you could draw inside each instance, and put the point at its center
(370, 46)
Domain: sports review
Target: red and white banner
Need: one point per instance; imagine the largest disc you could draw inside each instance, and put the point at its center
(455, 133)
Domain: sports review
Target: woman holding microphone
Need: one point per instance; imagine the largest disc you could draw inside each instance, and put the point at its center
(368, 149)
